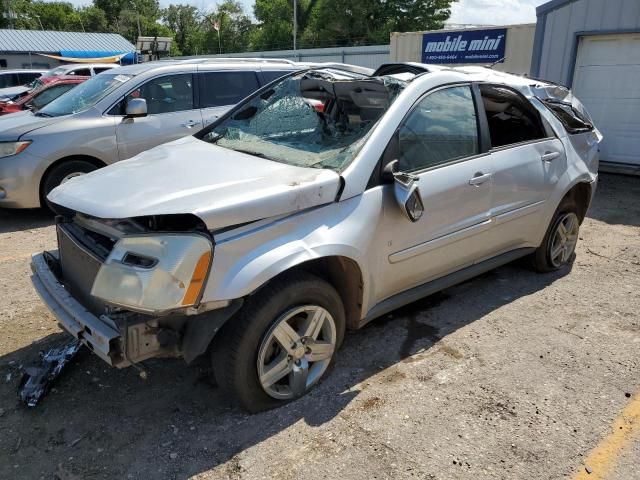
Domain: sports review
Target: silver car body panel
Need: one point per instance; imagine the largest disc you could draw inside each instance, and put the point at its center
(464, 223)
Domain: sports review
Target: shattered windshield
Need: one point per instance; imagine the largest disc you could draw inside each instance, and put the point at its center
(314, 119)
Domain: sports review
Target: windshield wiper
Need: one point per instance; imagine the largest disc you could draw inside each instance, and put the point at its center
(42, 114)
(214, 138)
(255, 154)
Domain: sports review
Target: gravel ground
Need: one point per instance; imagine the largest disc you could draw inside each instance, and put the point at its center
(512, 375)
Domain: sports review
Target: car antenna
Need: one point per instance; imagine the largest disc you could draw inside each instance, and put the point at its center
(496, 62)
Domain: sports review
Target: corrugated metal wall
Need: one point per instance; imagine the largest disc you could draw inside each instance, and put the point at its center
(371, 56)
(560, 23)
(407, 47)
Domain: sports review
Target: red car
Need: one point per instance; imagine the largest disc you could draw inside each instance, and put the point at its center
(46, 90)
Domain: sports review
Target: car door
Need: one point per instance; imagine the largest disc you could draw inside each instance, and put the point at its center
(527, 161)
(221, 90)
(170, 114)
(439, 143)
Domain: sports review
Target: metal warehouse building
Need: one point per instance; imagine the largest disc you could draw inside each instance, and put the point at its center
(21, 48)
(593, 46)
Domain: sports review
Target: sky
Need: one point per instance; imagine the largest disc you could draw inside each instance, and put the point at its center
(479, 12)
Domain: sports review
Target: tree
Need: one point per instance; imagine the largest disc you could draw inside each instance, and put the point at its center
(363, 22)
(185, 22)
(275, 23)
(236, 29)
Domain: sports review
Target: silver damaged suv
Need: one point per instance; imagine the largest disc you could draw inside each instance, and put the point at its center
(317, 204)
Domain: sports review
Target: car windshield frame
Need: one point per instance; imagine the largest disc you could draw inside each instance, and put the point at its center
(322, 123)
(85, 96)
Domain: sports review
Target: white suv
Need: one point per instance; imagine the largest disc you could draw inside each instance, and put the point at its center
(319, 203)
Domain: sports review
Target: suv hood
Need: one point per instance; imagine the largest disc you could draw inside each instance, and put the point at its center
(13, 126)
(221, 186)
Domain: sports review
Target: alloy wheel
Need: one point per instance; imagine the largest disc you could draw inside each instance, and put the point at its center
(296, 351)
(564, 240)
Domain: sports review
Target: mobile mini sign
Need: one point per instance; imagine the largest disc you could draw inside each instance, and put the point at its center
(471, 46)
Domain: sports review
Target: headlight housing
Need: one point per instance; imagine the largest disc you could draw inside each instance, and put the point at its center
(155, 273)
(12, 148)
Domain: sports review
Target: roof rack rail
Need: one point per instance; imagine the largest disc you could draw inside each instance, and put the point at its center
(236, 59)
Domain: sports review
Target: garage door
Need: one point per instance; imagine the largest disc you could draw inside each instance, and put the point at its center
(607, 81)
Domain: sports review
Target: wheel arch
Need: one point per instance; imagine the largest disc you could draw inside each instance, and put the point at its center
(342, 273)
(87, 158)
(580, 193)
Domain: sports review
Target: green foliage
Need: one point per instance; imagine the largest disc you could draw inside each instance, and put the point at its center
(321, 23)
(366, 22)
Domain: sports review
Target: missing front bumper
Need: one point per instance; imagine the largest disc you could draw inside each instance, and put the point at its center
(101, 338)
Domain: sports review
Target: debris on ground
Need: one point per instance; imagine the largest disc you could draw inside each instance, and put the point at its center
(37, 379)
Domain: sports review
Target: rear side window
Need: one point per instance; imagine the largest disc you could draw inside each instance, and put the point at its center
(218, 89)
(511, 118)
(28, 77)
(9, 80)
(98, 70)
(81, 72)
(573, 120)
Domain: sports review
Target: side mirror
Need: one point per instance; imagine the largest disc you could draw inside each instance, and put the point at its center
(136, 107)
(405, 190)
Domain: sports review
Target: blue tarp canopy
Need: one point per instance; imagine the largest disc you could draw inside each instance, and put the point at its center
(129, 58)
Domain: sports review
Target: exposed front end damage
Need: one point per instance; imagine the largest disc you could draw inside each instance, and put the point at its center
(66, 280)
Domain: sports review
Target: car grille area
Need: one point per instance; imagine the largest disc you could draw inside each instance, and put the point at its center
(79, 267)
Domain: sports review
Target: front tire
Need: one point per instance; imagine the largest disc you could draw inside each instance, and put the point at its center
(281, 343)
(559, 244)
(60, 174)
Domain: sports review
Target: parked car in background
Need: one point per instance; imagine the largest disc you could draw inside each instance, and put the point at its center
(262, 237)
(14, 78)
(48, 90)
(79, 69)
(116, 115)
(15, 82)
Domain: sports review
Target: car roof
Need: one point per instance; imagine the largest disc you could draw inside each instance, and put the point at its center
(241, 63)
(70, 66)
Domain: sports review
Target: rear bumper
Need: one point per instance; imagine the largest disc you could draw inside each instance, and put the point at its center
(102, 339)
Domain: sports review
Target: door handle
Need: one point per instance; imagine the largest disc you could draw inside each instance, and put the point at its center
(479, 178)
(549, 156)
(190, 123)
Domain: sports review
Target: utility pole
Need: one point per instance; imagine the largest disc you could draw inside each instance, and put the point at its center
(39, 21)
(295, 23)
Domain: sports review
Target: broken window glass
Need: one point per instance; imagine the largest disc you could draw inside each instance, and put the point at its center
(572, 119)
(310, 120)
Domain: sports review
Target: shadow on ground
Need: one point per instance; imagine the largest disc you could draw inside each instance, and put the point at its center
(105, 423)
(18, 220)
(617, 200)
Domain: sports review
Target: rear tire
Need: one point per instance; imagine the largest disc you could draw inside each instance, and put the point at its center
(249, 361)
(558, 247)
(60, 174)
